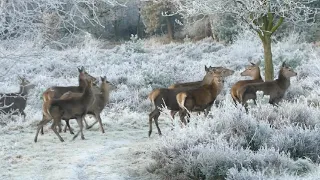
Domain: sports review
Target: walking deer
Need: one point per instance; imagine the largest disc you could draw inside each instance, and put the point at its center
(165, 97)
(253, 71)
(15, 103)
(56, 92)
(99, 103)
(226, 72)
(276, 88)
(68, 109)
(200, 98)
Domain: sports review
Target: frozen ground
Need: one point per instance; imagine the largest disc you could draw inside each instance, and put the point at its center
(120, 153)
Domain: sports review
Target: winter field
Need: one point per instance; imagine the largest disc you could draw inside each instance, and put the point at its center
(268, 143)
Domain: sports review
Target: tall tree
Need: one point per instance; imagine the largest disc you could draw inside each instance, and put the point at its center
(262, 16)
(152, 12)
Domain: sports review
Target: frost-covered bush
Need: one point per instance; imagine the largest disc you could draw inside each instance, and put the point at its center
(214, 158)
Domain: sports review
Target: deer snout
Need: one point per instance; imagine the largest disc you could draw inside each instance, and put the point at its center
(243, 73)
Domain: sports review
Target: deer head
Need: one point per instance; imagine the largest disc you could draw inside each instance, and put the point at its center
(286, 71)
(252, 70)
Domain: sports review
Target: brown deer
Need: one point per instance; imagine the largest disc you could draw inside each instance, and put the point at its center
(227, 72)
(200, 98)
(98, 105)
(253, 71)
(68, 109)
(56, 92)
(165, 97)
(15, 103)
(276, 88)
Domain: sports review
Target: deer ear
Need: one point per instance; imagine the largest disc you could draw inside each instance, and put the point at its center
(252, 64)
(79, 69)
(258, 63)
(283, 64)
(206, 68)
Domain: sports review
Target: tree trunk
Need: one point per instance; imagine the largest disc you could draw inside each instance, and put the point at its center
(170, 28)
(138, 24)
(268, 64)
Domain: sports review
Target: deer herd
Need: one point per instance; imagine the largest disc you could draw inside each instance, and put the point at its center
(75, 102)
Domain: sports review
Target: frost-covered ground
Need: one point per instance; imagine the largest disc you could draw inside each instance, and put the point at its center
(268, 143)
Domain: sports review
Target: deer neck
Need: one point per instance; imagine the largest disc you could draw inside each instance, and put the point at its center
(257, 76)
(215, 88)
(88, 95)
(282, 81)
(82, 84)
(205, 81)
(105, 92)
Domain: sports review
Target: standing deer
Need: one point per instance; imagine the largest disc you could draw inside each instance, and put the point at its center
(190, 85)
(276, 88)
(68, 109)
(200, 98)
(253, 71)
(100, 101)
(165, 97)
(15, 103)
(56, 92)
(227, 72)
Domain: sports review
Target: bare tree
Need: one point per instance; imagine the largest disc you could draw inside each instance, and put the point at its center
(262, 16)
(29, 18)
(153, 12)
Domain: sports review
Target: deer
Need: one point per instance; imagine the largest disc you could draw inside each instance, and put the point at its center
(167, 97)
(100, 101)
(15, 103)
(200, 98)
(226, 72)
(253, 71)
(68, 109)
(276, 89)
(57, 91)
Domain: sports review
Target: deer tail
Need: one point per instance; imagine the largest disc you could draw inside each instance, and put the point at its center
(47, 98)
(153, 95)
(172, 86)
(181, 98)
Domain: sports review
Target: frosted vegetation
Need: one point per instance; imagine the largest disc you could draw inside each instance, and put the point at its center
(268, 143)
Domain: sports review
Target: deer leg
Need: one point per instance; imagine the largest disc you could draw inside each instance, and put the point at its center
(173, 113)
(182, 114)
(54, 128)
(79, 121)
(100, 122)
(92, 124)
(207, 110)
(43, 117)
(150, 123)
(152, 115)
(40, 127)
(69, 127)
(42, 130)
(85, 122)
(157, 124)
(24, 115)
(65, 128)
